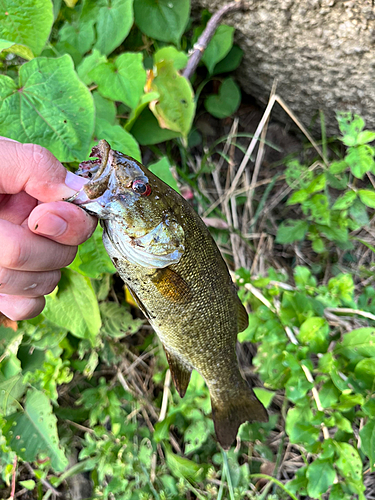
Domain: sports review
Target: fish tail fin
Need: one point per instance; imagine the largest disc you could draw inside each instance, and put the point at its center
(229, 413)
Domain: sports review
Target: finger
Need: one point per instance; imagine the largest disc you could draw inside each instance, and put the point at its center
(28, 284)
(15, 208)
(62, 222)
(17, 307)
(32, 168)
(24, 251)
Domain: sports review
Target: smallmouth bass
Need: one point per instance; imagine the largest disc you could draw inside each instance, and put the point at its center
(171, 265)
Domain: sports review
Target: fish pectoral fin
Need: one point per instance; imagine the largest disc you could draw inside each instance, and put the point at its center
(179, 371)
(228, 415)
(243, 317)
(172, 286)
(139, 303)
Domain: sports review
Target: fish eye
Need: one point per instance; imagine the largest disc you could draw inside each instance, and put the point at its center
(141, 187)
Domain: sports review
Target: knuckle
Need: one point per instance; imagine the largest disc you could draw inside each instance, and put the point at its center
(51, 282)
(15, 256)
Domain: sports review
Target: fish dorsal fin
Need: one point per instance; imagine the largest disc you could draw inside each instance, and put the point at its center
(243, 317)
(179, 371)
(172, 286)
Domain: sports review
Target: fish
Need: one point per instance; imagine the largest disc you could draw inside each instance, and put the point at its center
(177, 276)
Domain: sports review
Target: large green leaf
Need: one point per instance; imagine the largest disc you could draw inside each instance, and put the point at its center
(74, 306)
(118, 138)
(50, 107)
(219, 46)
(92, 260)
(11, 391)
(80, 35)
(321, 476)
(121, 80)
(357, 344)
(147, 130)
(15, 48)
(360, 159)
(367, 434)
(33, 431)
(175, 107)
(162, 169)
(113, 20)
(164, 20)
(26, 22)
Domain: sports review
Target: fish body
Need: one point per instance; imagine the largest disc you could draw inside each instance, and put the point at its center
(170, 263)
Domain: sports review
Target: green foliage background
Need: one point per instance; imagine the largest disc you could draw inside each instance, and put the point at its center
(70, 400)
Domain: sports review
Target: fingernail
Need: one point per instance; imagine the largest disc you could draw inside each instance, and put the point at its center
(74, 181)
(51, 225)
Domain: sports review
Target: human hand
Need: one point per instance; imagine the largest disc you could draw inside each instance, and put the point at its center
(39, 233)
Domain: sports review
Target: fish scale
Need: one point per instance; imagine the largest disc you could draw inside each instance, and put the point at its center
(179, 279)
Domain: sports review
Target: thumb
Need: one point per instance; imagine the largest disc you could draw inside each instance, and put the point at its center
(33, 169)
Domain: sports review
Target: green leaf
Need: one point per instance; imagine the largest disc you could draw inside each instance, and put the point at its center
(164, 20)
(147, 130)
(11, 390)
(34, 431)
(321, 476)
(359, 213)
(175, 107)
(349, 125)
(26, 22)
(118, 321)
(114, 19)
(367, 435)
(317, 184)
(365, 374)
(219, 46)
(14, 48)
(80, 35)
(170, 53)
(226, 102)
(118, 138)
(345, 201)
(92, 259)
(182, 467)
(337, 167)
(264, 396)
(74, 306)
(50, 107)
(136, 112)
(314, 332)
(196, 435)
(122, 80)
(291, 230)
(357, 344)
(360, 160)
(162, 169)
(89, 63)
(365, 136)
(105, 109)
(299, 428)
(319, 206)
(328, 394)
(349, 463)
(230, 62)
(29, 484)
(367, 197)
(298, 197)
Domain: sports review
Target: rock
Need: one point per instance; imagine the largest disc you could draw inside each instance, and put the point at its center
(322, 53)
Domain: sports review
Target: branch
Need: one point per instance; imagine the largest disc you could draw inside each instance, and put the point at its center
(208, 33)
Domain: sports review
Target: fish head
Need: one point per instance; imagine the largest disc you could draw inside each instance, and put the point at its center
(139, 212)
